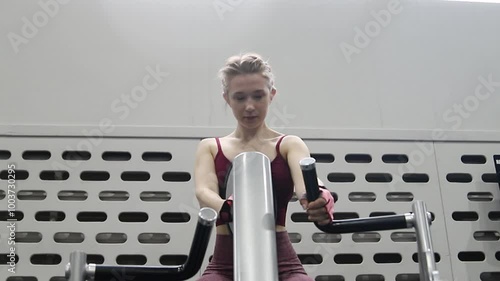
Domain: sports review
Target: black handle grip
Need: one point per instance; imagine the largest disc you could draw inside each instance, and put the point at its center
(365, 224)
(161, 273)
(308, 168)
(496, 162)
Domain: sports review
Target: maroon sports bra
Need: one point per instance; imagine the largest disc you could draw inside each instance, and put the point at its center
(281, 179)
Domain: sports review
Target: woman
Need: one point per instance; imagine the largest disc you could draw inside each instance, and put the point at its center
(248, 89)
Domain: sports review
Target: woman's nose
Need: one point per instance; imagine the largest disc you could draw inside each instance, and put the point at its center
(249, 106)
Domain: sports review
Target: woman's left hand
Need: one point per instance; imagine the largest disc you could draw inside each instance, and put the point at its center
(321, 209)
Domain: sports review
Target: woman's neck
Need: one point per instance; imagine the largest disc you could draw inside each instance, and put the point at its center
(246, 135)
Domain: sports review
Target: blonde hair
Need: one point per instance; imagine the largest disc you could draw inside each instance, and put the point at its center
(248, 63)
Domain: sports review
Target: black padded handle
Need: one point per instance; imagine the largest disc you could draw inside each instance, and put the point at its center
(365, 224)
(308, 167)
(161, 273)
(496, 162)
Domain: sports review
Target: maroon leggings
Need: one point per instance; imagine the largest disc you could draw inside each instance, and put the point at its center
(221, 266)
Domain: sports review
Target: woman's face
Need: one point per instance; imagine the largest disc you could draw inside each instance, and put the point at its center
(249, 97)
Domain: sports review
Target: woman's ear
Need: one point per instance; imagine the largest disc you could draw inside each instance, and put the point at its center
(273, 93)
(226, 97)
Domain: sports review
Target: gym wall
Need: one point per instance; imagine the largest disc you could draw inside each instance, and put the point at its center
(396, 99)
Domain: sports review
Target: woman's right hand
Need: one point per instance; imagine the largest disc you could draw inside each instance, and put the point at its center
(226, 212)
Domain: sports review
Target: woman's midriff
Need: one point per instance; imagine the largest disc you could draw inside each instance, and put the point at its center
(224, 230)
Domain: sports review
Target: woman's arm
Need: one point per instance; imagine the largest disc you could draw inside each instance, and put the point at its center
(296, 150)
(206, 182)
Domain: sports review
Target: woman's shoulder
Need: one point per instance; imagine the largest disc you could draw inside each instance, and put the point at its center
(289, 142)
(207, 141)
(208, 145)
(291, 139)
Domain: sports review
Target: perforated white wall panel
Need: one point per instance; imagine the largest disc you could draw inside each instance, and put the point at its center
(131, 201)
(471, 201)
(366, 185)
